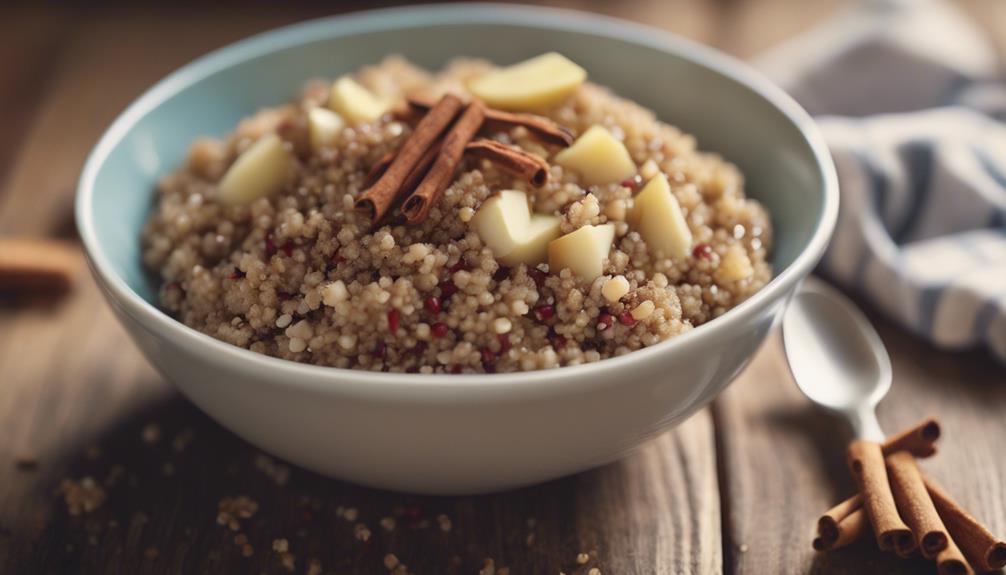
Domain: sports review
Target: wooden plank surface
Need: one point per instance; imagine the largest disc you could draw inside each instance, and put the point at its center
(76, 396)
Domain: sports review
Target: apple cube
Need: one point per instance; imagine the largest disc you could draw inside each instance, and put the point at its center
(512, 232)
(532, 84)
(262, 170)
(323, 126)
(598, 157)
(354, 102)
(658, 218)
(582, 251)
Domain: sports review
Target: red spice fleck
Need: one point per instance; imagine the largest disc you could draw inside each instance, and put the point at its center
(432, 304)
(380, 350)
(393, 318)
(439, 329)
(504, 339)
(447, 289)
(604, 321)
(537, 275)
(633, 182)
(288, 248)
(236, 274)
(270, 246)
(625, 318)
(544, 312)
(457, 267)
(703, 251)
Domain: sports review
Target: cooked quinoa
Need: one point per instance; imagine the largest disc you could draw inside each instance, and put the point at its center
(302, 276)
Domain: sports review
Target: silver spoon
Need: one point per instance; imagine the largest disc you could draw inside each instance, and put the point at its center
(836, 357)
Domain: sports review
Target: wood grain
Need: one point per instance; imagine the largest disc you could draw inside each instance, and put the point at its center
(735, 490)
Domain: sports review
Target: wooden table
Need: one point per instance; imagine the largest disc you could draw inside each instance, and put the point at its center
(733, 490)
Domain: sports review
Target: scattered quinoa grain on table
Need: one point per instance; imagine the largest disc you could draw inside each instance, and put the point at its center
(258, 239)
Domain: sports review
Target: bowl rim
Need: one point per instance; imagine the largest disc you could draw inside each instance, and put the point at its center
(323, 378)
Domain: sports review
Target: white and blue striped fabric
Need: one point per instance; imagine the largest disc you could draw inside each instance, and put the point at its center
(912, 102)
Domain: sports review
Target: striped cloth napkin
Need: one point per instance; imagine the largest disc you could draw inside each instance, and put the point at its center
(912, 102)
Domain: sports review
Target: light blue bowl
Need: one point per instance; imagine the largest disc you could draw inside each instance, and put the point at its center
(457, 433)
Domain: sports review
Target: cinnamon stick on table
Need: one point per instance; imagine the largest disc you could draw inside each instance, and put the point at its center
(418, 205)
(378, 199)
(919, 440)
(915, 504)
(980, 546)
(529, 167)
(498, 120)
(841, 525)
(866, 461)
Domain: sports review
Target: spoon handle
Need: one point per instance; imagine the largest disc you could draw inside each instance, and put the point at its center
(865, 425)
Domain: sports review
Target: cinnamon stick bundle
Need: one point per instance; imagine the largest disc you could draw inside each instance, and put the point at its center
(866, 461)
(418, 205)
(500, 121)
(980, 546)
(527, 166)
(378, 199)
(37, 266)
(915, 504)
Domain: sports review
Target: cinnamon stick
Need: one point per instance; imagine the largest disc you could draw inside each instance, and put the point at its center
(915, 505)
(36, 266)
(866, 461)
(980, 546)
(951, 561)
(500, 121)
(919, 440)
(378, 199)
(529, 167)
(841, 525)
(418, 205)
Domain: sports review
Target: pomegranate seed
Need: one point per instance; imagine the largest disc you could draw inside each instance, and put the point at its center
(236, 274)
(338, 259)
(488, 360)
(544, 312)
(439, 329)
(537, 275)
(558, 342)
(270, 247)
(625, 318)
(604, 321)
(288, 248)
(457, 267)
(447, 289)
(702, 251)
(633, 182)
(380, 350)
(504, 340)
(432, 304)
(393, 317)
(456, 368)
(501, 274)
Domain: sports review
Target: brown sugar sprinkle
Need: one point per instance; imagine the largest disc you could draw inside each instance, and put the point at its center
(83, 496)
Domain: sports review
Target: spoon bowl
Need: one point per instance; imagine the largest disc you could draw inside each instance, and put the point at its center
(835, 355)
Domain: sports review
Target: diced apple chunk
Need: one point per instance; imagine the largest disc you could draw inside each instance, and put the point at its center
(324, 126)
(512, 232)
(262, 170)
(354, 102)
(582, 251)
(658, 218)
(532, 84)
(598, 157)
